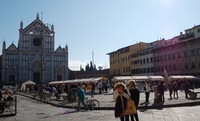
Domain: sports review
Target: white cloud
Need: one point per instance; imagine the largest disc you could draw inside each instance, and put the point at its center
(75, 64)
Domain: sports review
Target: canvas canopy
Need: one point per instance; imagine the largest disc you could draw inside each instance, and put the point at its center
(28, 82)
(156, 77)
(182, 77)
(189, 77)
(86, 80)
(125, 78)
(140, 77)
(121, 78)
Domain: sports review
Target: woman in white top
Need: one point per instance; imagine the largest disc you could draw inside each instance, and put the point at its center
(147, 89)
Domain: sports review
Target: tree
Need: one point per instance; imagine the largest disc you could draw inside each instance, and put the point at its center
(87, 67)
(91, 66)
(95, 68)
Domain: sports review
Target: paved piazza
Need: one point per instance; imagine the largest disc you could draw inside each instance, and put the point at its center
(32, 110)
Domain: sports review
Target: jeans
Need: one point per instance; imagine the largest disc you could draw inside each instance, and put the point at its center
(124, 118)
(136, 117)
(176, 93)
(170, 93)
(100, 90)
(147, 96)
(162, 96)
(79, 103)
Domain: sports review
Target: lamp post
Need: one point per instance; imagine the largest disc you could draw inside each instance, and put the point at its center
(6, 67)
(41, 39)
(13, 78)
(39, 42)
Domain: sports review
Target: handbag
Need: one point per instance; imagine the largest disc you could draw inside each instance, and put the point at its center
(131, 109)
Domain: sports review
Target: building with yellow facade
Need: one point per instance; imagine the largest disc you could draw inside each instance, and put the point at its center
(179, 55)
(121, 60)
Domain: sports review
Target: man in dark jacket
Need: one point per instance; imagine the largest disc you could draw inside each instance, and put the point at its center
(186, 89)
(135, 96)
(161, 90)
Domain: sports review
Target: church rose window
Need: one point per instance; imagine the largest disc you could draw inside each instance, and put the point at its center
(37, 41)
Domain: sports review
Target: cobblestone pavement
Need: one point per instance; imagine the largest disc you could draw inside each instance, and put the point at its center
(32, 110)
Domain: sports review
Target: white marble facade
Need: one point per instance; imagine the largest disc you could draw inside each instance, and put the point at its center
(34, 58)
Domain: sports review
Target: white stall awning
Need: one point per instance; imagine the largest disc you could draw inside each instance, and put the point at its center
(140, 77)
(189, 77)
(156, 77)
(121, 78)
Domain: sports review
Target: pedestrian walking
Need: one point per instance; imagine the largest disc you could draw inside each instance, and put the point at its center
(147, 90)
(186, 89)
(170, 88)
(81, 97)
(106, 87)
(135, 96)
(175, 89)
(161, 91)
(93, 87)
(100, 86)
(120, 96)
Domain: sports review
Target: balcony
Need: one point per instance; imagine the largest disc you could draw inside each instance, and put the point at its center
(186, 36)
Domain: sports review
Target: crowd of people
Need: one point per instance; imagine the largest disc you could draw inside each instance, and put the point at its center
(66, 88)
(124, 91)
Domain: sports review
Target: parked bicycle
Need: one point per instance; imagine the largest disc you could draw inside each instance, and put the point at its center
(90, 103)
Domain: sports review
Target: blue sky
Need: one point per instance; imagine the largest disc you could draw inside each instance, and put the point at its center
(101, 26)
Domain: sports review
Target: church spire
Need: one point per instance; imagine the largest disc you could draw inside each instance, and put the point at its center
(37, 16)
(52, 27)
(21, 24)
(4, 44)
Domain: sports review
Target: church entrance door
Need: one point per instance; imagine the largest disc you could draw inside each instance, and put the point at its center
(36, 77)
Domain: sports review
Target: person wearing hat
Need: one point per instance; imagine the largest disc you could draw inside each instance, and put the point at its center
(121, 96)
(135, 96)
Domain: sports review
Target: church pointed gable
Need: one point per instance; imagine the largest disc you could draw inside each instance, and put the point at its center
(33, 27)
(12, 47)
(59, 50)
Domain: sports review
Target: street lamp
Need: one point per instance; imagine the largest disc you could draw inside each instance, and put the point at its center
(13, 78)
(6, 67)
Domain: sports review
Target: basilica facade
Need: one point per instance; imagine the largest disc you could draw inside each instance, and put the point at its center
(34, 58)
